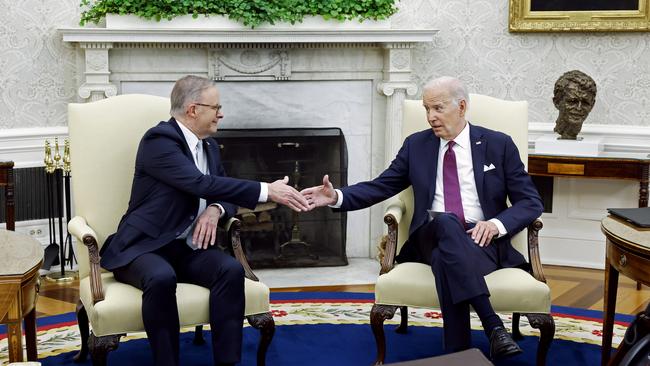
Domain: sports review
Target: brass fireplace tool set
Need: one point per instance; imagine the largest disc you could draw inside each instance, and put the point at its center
(58, 189)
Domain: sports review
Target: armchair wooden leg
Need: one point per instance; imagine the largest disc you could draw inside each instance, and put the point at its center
(198, 335)
(404, 320)
(378, 316)
(546, 326)
(516, 334)
(100, 346)
(82, 322)
(265, 323)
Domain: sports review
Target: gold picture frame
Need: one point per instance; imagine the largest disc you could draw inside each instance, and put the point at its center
(551, 16)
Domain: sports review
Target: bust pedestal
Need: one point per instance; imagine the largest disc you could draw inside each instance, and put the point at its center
(585, 146)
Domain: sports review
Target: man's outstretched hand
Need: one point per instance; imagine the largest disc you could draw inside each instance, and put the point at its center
(320, 196)
(284, 194)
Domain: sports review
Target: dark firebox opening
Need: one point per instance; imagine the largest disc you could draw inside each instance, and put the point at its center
(274, 236)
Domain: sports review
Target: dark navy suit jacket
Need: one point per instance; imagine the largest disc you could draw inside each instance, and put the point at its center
(416, 165)
(165, 194)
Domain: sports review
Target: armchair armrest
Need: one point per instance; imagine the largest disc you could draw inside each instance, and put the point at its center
(533, 250)
(85, 234)
(233, 227)
(393, 215)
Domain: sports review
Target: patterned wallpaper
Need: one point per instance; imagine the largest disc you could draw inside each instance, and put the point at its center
(37, 71)
(474, 44)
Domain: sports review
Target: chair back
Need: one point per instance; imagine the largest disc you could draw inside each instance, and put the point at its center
(509, 117)
(104, 138)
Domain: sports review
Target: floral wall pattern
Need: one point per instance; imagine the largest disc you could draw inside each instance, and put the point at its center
(474, 44)
(37, 70)
(38, 79)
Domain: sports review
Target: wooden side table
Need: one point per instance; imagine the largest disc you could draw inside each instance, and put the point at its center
(628, 252)
(626, 166)
(20, 258)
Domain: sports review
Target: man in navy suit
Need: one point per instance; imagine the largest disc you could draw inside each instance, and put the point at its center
(463, 173)
(179, 194)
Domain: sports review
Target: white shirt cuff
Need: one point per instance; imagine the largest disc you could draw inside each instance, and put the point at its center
(223, 212)
(500, 227)
(339, 200)
(264, 192)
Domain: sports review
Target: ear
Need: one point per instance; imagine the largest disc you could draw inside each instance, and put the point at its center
(191, 110)
(462, 107)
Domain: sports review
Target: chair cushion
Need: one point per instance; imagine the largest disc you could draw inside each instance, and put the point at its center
(511, 289)
(121, 309)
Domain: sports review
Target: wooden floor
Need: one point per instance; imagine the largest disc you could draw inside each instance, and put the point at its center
(574, 287)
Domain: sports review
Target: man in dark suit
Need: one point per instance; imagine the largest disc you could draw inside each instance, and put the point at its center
(179, 194)
(463, 173)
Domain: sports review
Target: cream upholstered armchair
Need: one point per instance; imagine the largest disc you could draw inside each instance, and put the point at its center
(412, 284)
(104, 138)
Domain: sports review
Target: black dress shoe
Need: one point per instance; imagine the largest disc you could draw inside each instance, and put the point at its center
(502, 345)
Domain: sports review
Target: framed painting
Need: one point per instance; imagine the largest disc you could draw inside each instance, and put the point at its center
(579, 15)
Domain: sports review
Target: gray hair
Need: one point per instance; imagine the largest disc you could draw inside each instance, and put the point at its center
(453, 85)
(188, 89)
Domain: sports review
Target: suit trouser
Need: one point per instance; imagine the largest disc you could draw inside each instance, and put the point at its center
(157, 273)
(459, 266)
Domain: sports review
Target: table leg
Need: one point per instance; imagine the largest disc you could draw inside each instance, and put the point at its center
(30, 335)
(611, 285)
(15, 339)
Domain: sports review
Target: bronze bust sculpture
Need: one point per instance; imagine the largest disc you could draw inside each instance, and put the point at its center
(574, 96)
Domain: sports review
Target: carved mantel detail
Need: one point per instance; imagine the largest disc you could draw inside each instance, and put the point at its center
(397, 84)
(96, 85)
(250, 64)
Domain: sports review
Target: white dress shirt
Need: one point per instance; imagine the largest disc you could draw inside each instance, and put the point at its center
(469, 195)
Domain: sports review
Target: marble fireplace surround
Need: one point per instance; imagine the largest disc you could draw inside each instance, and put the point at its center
(354, 79)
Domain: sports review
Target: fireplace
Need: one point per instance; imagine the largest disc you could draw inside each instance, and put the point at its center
(273, 235)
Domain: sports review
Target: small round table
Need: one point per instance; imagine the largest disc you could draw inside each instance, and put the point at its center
(20, 258)
(628, 252)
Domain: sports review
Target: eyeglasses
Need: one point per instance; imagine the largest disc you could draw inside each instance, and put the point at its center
(216, 108)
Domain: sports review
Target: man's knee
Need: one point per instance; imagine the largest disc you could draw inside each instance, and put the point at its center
(232, 270)
(161, 281)
(229, 271)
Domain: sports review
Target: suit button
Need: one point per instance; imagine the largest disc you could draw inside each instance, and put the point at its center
(192, 217)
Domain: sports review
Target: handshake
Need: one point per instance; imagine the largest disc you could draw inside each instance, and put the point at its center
(305, 200)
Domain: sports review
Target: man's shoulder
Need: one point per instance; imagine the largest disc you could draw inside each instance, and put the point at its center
(420, 135)
(163, 128)
(492, 134)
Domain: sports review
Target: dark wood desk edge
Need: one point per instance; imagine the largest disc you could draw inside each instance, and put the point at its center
(587, 158)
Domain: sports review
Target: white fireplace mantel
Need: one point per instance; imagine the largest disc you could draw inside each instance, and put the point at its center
(353, 79)
(286, 35)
